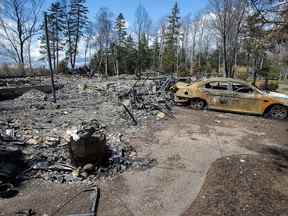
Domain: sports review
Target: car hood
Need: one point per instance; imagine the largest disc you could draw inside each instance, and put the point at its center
(182, 84)
(279, 96)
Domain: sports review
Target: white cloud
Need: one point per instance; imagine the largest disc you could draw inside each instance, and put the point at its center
(35, 50)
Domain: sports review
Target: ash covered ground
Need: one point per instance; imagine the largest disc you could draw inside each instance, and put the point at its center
(38, 128)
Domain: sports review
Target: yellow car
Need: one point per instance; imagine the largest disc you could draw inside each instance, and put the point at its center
(228, 94)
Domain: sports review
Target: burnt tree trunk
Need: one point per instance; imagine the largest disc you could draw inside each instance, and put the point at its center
(49, 58)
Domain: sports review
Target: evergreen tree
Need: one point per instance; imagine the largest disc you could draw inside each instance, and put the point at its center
(43, 44)
(56, 27)
(142, 28)
(144, 53)
(156, 53)
(120, 48)
(131, 56)
(57, 16)
(76, 22)
(104, 25)
(120, 29)
(171, 40)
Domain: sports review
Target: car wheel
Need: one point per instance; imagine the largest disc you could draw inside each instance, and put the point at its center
(197, 104)
(278, 112)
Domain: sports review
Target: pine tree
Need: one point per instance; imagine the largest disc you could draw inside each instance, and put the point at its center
(145, 53)
(56, 27)
(43, 44)
(171, 40)
(57, 16)
(104, 25)
(76, 22)
(156, 53)
(131, 56)
(142, 27)
(120, 48)
(120, 29)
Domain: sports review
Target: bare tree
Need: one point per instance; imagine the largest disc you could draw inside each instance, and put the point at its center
(228, 20)
(104, 34)
(194, 33)
(89, 38)
(271, 10)
(186, 32)
(162, 33)
(142, 27)
(18, 26)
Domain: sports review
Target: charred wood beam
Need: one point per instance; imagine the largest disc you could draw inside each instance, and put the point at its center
(130, 114)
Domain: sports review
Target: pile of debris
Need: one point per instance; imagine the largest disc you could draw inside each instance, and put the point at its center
(12, 164)
(33, 96)
(61, 143)
(84, 154)
(148, 96)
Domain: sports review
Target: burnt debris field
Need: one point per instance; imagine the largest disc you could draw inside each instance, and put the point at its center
(143, 110)
(103, 132)
(90, 113)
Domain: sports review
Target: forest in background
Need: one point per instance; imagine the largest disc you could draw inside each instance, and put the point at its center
(231, 38)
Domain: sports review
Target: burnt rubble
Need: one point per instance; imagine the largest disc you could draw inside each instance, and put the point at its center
(86, 143)
(98, 113)
(53, 161)
(12, 164)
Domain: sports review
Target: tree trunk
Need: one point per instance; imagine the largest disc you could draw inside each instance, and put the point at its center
(225, 59)
(117, 68)
(54, 55)
(49, 58)
(193, 53)
(29, 56)
(106, 64)
(86, 50)
(139, 65)
(70, 44)
(76, 39)
(161, 48)
(57, 56)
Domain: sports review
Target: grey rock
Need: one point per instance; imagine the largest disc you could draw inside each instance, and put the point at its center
(88, 167)
(84, 174)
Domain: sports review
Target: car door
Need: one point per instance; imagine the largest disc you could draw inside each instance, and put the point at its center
(218, 94)
(245, 99)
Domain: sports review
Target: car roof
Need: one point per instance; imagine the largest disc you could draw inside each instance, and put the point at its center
(222, 79)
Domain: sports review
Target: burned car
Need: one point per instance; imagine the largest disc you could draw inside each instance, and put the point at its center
(233, 95)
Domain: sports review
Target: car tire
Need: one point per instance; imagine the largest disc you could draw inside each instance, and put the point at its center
(197, 104)
(278, 112)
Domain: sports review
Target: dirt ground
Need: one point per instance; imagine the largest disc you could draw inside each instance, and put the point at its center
(249, 185)
(184, 147)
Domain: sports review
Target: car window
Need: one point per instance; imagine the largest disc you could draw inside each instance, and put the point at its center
(242, 88)
(217, 85)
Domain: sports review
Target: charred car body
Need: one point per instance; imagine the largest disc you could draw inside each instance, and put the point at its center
(233, 95)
